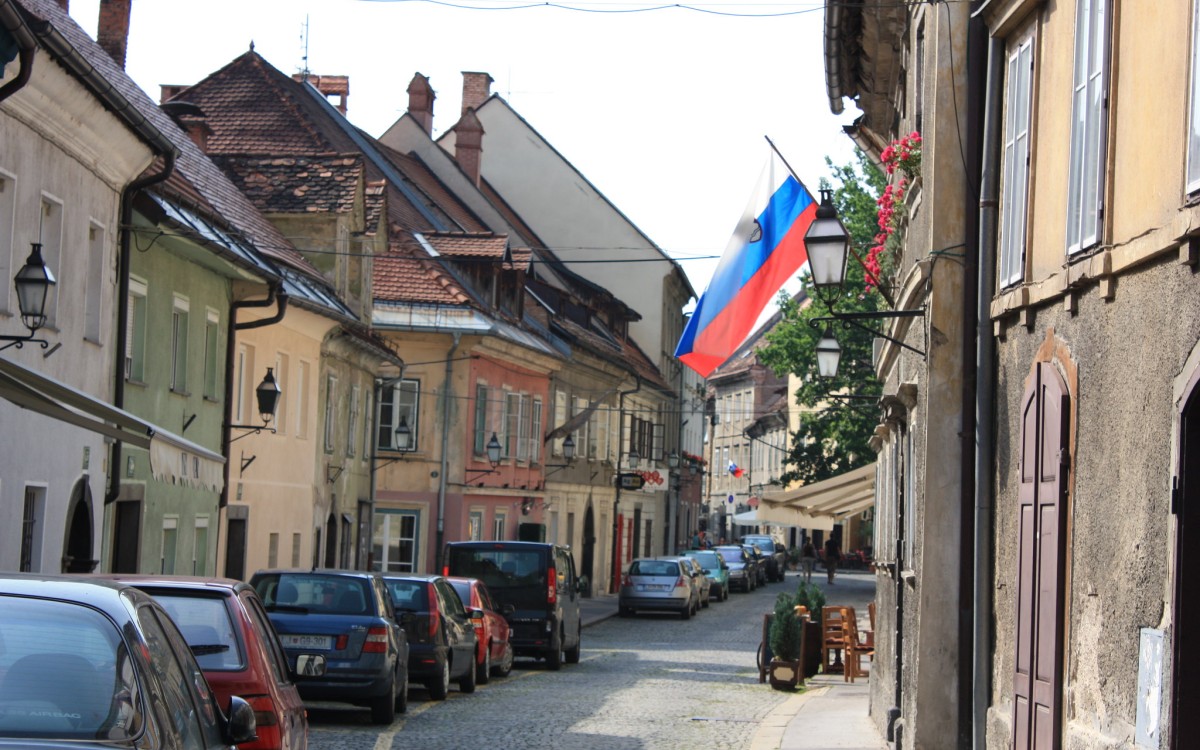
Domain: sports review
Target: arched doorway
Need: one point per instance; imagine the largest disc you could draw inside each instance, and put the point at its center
(589, 549)
(78, 554)
(1185, 691)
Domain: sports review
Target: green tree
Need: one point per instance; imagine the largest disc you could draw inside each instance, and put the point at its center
(834, 433)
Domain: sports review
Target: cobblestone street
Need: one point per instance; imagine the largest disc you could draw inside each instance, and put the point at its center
(653, 681)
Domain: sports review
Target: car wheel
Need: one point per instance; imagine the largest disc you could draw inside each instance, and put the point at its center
(572, 655)
(686, 612)
(704, 602)
(383, 708)
(483, 672)
(725, 594)
(506, 662)
(554, 658)
(439, 686)
(625, 612)
(466, 683)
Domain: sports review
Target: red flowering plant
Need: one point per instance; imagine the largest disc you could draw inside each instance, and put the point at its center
(903, 155)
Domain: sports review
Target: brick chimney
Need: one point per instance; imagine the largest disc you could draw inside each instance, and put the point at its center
(468, 145)
(113, 30)
(477, 87)
(169, 91)
(420, 102)
(65, 5)
(329, 86)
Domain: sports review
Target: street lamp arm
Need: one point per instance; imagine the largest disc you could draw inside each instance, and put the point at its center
(851, 320)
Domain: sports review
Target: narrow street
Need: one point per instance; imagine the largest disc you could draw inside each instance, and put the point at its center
(653, 681)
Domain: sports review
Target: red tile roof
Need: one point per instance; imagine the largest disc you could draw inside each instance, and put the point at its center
(478, 246)
(406, 273)
(297, 184)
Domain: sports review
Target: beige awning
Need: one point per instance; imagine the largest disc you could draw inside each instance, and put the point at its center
(819, 505)
(172, 458)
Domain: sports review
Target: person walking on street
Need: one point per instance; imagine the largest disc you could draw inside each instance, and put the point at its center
(808, 559)
(833, 555)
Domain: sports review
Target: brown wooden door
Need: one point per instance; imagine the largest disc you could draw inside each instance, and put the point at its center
(1185, 689)
(1037, 683)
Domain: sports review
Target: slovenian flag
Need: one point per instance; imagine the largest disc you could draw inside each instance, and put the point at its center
(766, 249)
(735, 470)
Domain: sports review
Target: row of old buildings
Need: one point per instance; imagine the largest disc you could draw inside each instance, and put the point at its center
(1038, 451)
(437, 363)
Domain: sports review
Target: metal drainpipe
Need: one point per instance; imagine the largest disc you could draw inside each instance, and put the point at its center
(124, 265)
(985, 386)
(273, 295)
(27, 48)
(893, 714)
(441, 512)
(614, 579)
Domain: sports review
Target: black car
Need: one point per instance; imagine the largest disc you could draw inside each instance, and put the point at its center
(538, 580)
(441, 636)
(347, 617)
(774, 552)
(743, 570)
(99, 664)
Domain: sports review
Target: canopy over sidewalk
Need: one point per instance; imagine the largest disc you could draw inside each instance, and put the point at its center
(819, 505)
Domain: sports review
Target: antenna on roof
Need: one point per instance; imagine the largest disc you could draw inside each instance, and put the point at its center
(304, 71)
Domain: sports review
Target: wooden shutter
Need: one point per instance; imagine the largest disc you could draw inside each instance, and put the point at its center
(1037, 683)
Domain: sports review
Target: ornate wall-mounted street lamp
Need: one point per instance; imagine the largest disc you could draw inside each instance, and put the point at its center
(33, 284)
(493, 449)
(267, 396)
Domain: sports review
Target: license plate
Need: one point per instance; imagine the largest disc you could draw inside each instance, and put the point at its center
(306, 641)
(651, 587)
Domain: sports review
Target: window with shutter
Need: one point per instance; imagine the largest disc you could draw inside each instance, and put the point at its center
(1014, 196)
(1085, 188)
(481, 418)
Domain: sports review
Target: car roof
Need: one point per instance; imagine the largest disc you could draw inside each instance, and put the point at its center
(410, 576)
(102, 594)
(192, 583)
(318, 571)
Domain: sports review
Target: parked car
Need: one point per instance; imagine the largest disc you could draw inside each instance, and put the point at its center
(495, 650)
(347, 616)
(224, 623)
(658, 584)
(742, 573)
(699, 578)
(760, 563)
(98, 664)
(540, 583)
(715, 568)
(774, 552)
(441, 637)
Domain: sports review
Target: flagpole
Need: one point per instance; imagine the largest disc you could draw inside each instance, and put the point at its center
(882, 292)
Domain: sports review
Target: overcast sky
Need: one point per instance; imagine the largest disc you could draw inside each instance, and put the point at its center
(664, 111)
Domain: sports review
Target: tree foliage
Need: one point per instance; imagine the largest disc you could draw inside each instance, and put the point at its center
(834, 433)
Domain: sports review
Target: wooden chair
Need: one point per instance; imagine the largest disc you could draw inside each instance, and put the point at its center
(856, 647)
(833, 638)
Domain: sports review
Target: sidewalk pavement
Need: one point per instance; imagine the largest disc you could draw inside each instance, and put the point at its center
(831, 714)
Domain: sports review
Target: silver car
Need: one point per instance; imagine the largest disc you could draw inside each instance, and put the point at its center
(699, 577)
(663, 584)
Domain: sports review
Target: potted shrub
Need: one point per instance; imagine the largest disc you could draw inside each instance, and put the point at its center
(785, 638)
(810, 596)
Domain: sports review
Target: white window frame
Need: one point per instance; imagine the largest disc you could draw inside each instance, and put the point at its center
(95, 283)
(499, 527)
(331, 395)
(1089, 107)
(180, 322)
(535, 430)
(1014, 202)
(200, 541)
(135, 331)
(51, 237)
(560, 417)
(303, 375)
(1192, 175)
(283, 366)
(212, 355)
(402, 399)
(480, 415)
(8, 216)
(352, 427)
(169, 524)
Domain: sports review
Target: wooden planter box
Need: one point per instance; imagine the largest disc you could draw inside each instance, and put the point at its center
(784, 675)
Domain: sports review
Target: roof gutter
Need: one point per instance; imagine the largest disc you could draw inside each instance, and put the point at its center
(833, 56)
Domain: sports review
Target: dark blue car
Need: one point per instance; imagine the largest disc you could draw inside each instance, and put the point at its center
(441, 636)
(346, 616)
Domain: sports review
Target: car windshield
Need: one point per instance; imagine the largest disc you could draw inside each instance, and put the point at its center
(653, 568)
(708, 560)
(315, 593)
(499, 569)
(205, 624)
(64, 673)
(731, 555)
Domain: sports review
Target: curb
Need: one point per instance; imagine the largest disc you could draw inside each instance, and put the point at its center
(769, 735)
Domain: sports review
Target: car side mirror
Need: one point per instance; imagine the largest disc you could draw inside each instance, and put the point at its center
(706, 571)
(310, 665)
(475, 614)
(241, 726)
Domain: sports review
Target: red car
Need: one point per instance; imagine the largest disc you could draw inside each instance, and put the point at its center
(495, 651)
(224, 623)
